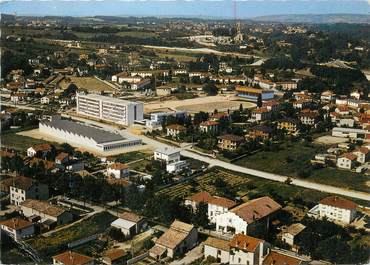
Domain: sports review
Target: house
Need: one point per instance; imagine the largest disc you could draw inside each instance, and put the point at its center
(167, 154)
(229, 142)
(129, 223)
(62, 158)
(163, 91)
(216, 205)
(50, 215)
(337, 209)
(362, 154)
(247, 250)
(287, 85)
(45, 100)
(177, 240)
(176, 167)
(327, 96)
(174, 130)
(289, 234)
(290, 125)
(262, 132)
(261, 114)
(271, 105)
(218, 249)
(72, 258)
(42, 149)
(115, 256)
(346, 161)
(308, 117)
(283, 258)
(17, 228)
(209, 127)
(118, 170)
(250, 218)
(23, 188)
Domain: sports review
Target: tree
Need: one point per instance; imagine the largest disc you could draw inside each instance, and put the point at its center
(259, 101)
(210, 89)
(200, 217)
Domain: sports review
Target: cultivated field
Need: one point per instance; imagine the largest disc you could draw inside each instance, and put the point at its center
(205, 183)
(206, 104)
(88, 83)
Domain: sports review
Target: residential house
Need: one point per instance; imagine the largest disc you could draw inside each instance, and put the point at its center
(261, 114)
(250, 218)
(338, 209)
(308, 117)
(218, 249)
(46, 213)
(362, 154)
(229, 142)
(115, 256)
(72, 258)
(118, 170)
(178, 239)
(216, 205)
(271, 105)
(284, 258)
(163, 91)
(130, 223)
(62, 158)
(23, 188)
(174, 130)
(346, 161)
(167, 154)
(301, 104)
(45, 100)
(262, 132)
(290, 125)
(219, 116)
(248, 250)
(209, 126)
(42, 149)
(17, 228)
(176, 167)
(290, 234)
(327, 96)
(287, 85)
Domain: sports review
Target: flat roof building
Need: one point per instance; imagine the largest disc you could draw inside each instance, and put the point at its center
(86, 136)
(110, 109)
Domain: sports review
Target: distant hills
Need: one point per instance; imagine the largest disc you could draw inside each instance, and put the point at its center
(315, 19)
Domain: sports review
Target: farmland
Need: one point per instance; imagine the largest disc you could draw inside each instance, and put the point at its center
(88, 83)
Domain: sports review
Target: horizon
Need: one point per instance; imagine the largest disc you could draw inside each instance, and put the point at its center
(222, 9)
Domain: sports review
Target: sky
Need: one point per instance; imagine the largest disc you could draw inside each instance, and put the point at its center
(192, 8)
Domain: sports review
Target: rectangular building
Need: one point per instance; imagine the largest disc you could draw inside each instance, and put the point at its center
(110, 109)
(253, 94)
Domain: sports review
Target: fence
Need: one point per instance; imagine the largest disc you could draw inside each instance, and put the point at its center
(137, 258)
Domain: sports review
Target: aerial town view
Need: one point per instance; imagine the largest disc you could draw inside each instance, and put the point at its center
(185, 132)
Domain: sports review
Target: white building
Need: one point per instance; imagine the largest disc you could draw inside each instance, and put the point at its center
(346, 161)
(362, 154)
(17, 228)
(45, 100)
(23, 188)
(167, 154)
(118, 170)
(216, 205)
(248, 218)
(337, 209)
(349, 133)
(109, 109)
(290, 233)
(176, 167)
(129, 223)
(218, 249)
(85, 136)
(157, 118)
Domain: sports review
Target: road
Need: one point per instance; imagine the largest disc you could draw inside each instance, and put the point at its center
(186, 151)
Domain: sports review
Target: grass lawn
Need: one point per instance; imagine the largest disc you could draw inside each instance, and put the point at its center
(293, 159)
(19, 142)
(48, 246)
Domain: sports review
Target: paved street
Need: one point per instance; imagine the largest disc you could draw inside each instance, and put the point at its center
(270, 176)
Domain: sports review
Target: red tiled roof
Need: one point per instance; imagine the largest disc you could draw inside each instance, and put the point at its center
(363, 150)
(349, 156)
(256, 209)
(130, 217)
(339, 202)
(231, 137)
(72, 258)
(275, 258)
(118, 166)
(42, 147)
(204, 196)
(16, 223)
(176, 127)
(209, 123)
(115, 253)
(244, 242)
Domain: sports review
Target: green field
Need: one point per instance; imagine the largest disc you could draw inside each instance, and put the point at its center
(47, 246)
(19, 142)
(293, 159)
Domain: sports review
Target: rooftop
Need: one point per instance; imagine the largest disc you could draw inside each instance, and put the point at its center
(72, 258)
(276, 258)
(294, 229)
(130, 217)
(339, 202)
(167, 150)
(218, 243)
(16, 223)
(244, 242)
(231, 137)
(108, 99)
(256, 209)
(204, 196)
(118, 166)
(22, 183)
(98, 135)
(177, 232)
(43, 207)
